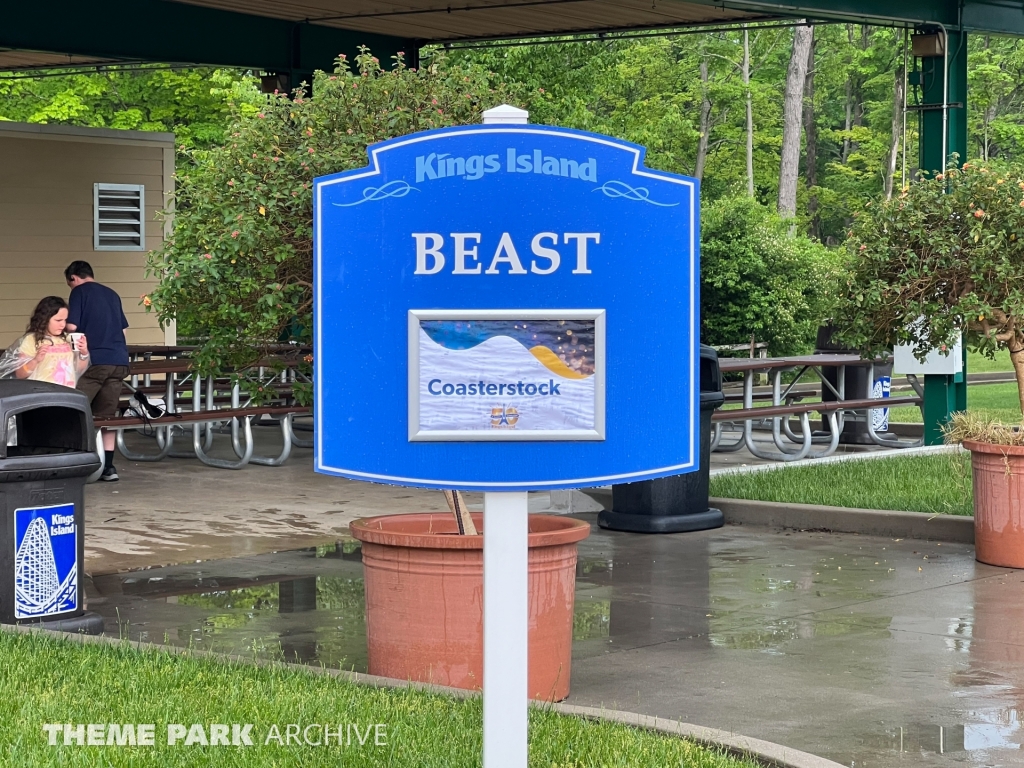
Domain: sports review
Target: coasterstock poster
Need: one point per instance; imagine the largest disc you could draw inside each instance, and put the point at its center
(507, 375)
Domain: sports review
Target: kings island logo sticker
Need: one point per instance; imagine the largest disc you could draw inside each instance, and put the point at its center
(45, 561)
(506, 375)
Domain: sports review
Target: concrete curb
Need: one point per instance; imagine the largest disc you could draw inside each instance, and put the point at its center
(768, 753)
(867, 522)
(836, 458)
(765, 752)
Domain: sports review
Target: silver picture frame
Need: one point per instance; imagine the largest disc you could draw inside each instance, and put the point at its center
(416, 434)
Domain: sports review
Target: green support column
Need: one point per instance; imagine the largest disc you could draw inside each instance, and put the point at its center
(939, 403)
(943, 394)
(931, 95)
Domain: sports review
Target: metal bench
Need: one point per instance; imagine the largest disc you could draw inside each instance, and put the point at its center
(786, 399)
(781, 414)
(207, 413)
(241, 422)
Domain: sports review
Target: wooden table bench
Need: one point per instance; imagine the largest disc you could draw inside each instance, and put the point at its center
(240, 418)
(206, 412)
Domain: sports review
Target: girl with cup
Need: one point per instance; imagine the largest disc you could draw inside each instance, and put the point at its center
(45, 352)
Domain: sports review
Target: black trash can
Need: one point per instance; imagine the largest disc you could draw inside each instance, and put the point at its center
(680, 502)
(47, 450)
(856, 387)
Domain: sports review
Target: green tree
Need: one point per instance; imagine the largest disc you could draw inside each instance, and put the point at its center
(196, 104)
(646, 91)
(237, 269)
(995, 77)
(757, 280)
(944, 257)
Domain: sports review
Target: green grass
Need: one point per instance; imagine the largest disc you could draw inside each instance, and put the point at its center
(997, 400)
(937, 483)
(50, 680)
(980, 364)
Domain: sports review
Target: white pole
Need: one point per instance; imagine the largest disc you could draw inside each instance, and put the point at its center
(506, 598)
(506, 633)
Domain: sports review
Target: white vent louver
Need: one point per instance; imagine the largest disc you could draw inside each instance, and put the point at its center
(119, 217)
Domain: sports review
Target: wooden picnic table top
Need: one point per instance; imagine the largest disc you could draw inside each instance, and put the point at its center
(734, 364)
(164, 351)
(169, 365)
(184, 364)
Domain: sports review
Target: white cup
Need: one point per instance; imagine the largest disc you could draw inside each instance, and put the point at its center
(74, 337)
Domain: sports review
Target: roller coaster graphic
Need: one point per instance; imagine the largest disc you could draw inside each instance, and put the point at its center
(38, 590)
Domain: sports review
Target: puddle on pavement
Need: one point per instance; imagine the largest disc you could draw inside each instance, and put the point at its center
(316, 617)
(991, 730)
(309, 619)
(742, 583)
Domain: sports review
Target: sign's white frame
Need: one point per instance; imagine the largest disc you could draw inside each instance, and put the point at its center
(497, 435)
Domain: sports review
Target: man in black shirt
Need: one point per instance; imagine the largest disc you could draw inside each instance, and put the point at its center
(95, 310)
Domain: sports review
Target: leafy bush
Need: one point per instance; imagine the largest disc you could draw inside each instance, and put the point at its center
(237, 270)
(758, 279)
(945, 256)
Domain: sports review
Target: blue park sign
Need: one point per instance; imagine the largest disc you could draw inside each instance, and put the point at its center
(506, 308)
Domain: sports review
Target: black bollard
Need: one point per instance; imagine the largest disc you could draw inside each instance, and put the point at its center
(677, 503)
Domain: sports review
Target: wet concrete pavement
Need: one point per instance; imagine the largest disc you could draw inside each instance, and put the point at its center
(180, 510)
(872, 652)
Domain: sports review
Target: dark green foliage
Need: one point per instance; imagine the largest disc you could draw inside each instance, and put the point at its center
(945, 256)
(237, 270)
(758, 280)
(194, 104)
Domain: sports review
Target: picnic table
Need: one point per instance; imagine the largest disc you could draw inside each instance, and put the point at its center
(215, 403)
(791, 401)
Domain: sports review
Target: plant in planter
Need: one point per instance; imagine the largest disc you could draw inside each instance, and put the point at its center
(946, 257)
(424, 597)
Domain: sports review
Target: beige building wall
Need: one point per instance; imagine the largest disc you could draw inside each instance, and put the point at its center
(47, 174)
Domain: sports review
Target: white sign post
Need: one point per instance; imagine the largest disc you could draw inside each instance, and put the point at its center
(505, 629)
(506, 595)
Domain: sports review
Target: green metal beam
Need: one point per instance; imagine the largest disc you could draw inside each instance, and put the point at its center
(157, 30)
(944, 12)
(990, 16)
(167, 31)
(1005, 17)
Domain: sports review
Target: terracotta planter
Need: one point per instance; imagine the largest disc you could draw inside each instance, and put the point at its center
(998, 473)
(424, 600)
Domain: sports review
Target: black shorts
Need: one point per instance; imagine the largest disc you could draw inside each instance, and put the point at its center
(102, 385)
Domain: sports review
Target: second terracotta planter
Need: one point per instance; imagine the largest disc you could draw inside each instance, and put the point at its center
(424, 600)
(998, 476)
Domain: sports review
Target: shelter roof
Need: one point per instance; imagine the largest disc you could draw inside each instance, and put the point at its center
(301, 35)
(14, 60)
(441, 20)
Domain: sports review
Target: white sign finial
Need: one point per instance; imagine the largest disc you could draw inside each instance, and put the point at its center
(506, 113)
